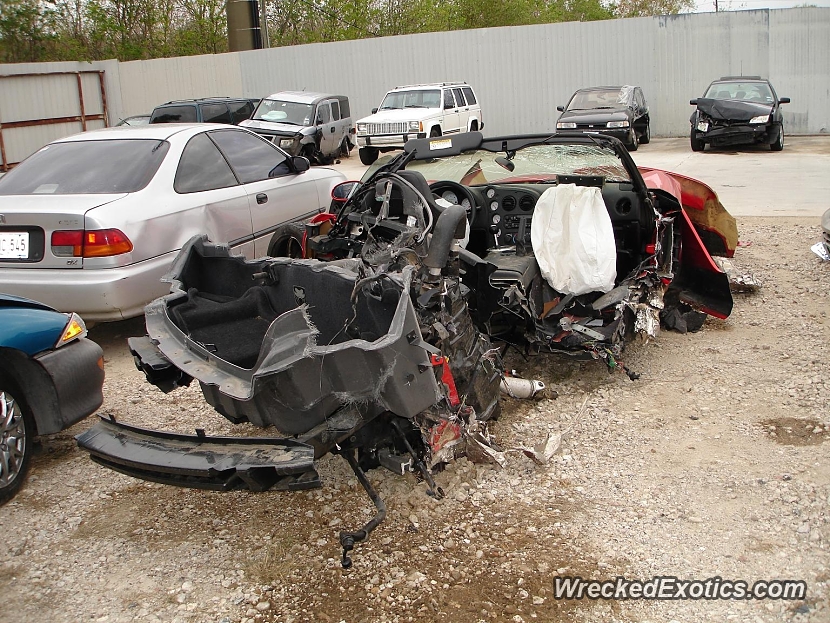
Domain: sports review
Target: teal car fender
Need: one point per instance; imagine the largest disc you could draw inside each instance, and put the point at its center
(61, 382)
(28, 326)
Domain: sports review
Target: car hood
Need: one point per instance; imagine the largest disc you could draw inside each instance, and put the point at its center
(732, 110)
(599, 115)
(286, 129)
(10, 300)
(400, 114)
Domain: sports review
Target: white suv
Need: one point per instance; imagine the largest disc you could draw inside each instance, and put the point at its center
(418, 111)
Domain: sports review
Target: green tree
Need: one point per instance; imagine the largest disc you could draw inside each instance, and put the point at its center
(40, 30)
(641, 8)
(23, 37)
(203, 27)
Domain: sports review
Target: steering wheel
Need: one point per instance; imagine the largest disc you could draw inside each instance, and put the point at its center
(458, 194)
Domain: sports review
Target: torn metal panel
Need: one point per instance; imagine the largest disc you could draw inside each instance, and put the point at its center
(822, 249)
(739, 280)
(543, 452)
(716, 227)
(647, 320)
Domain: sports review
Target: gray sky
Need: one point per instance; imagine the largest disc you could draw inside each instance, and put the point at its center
(704, 6)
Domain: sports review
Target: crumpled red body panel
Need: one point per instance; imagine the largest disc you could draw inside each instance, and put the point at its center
(715, 226)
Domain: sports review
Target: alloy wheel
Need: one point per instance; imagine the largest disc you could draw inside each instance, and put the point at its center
(12, 439)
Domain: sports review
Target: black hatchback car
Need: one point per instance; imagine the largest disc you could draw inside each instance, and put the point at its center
(620, 112)
(738, 110)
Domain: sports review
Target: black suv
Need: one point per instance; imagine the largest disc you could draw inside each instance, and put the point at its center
(229, 110)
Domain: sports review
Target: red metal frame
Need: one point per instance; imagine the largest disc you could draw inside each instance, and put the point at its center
(5, 165)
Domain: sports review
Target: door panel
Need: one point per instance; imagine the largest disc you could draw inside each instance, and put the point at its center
(463, 110)
(288, 198)
(208, 198)
(329, 140)
(451, 115)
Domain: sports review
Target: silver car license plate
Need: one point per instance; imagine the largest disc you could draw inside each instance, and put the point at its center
(14, 245)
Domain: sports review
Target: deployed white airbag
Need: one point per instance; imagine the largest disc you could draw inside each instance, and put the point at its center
(573, 240)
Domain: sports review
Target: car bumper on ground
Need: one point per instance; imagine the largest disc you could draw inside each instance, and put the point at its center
(76, 372)
(744, 134)
(95, 294)
(389, 140)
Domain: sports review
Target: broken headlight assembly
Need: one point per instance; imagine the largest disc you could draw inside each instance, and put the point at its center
(702, 126)
(759, 119)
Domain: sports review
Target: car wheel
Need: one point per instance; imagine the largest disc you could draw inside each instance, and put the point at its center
(345, 148)
(368, 155)
(778, 145)
(17, 429)
(308, 151)
(436, 131)
(634, 144)
(646, 138)
(287, 241)
(696, 143)
(474, 126)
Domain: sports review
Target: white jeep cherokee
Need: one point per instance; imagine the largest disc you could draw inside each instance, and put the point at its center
(418, 111)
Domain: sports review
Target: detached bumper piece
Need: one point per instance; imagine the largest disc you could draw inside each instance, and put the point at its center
(201, 462)
(156, 367)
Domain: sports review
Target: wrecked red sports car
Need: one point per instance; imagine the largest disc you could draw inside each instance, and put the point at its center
(384, 343)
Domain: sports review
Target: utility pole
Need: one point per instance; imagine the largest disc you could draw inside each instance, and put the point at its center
(716, 6)
(263, 24)
(245, 29)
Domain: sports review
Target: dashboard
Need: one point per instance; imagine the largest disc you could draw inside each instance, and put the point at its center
(502, 214)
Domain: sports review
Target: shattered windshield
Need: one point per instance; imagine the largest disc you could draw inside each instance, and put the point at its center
(411, 99)
(535, 163)
(600, 98)
(745, 91)
(278, 111)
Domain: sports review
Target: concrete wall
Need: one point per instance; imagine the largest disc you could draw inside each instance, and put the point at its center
(520, 73)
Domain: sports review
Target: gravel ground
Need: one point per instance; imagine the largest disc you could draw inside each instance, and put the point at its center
(714, 463)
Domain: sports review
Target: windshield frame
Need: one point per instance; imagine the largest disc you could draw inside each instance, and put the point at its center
(621, 97)
(290, 117)
(450, 146)
(416, 97)
(729, 85)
